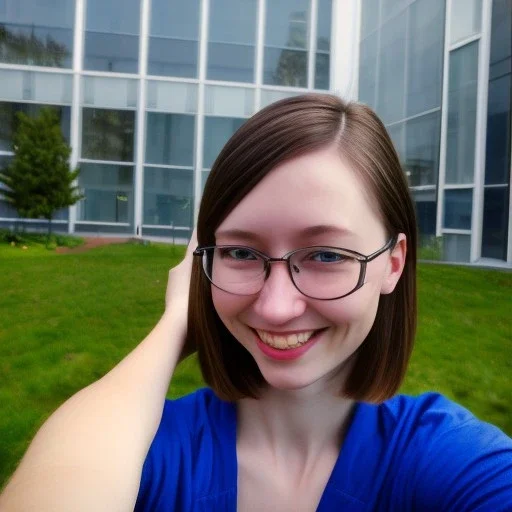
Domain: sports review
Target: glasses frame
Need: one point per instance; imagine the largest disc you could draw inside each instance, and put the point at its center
(267, 260)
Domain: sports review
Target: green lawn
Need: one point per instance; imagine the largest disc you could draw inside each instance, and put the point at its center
(67, 319)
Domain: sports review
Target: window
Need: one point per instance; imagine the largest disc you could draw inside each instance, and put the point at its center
(217, 131)
(460, 146)
(174, 36)
(108, 193)
(426, 201)
(422, 149)
(170, 139)
(425, 56)
(168, 197)
(457, 208)
(37, 33)
(499, 125)
(465, 19)
(108, 134)
(112, 36)
(8, 113)
(286, 43)
(390, 92)
(232, 36)
(323, 45)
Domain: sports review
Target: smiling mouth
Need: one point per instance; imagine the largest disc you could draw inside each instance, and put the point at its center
(285, 342)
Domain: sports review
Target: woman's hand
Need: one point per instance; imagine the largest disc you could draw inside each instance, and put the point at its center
(178, 291)
(178, 286)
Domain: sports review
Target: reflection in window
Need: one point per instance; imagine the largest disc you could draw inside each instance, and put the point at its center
(462, 89)
(425, 201)
(323, 45)
(368, 70)
(112, 36)
(422, 149)
(168, 197)
(497, 161)
(499, 126)
(495, 224)
(174, 35)
(232, 36)
(108, 134)
(108, 191)
(390, 101)
(286, 43)
(37, 33)
(425, 56)
(170, 139)
(457, 208)
(217, 131)
(8, 120)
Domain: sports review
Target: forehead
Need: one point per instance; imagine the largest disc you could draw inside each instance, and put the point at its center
(316, 189)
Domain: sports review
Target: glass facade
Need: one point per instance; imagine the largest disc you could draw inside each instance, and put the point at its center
(37, 32)
(152, 109)
(400, 77)
(156, 87)
(112, 36)
(287, 27)
(323, 45)
(232, 40)
(174, 38)
(462, 89)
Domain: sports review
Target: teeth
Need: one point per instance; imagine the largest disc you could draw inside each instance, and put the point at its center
(284, 342)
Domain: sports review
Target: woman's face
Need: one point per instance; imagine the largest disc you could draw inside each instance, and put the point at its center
(312, 200)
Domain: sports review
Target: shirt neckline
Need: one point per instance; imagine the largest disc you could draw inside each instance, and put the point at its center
(336, 481)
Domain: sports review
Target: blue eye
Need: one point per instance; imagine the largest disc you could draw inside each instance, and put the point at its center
(328, 257)
(239, 254)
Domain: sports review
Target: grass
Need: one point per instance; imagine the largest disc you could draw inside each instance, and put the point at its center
(67, 319)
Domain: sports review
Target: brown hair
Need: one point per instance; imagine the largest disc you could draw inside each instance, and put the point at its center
(279, 132)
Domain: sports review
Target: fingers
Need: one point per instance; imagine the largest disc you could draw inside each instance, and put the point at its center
(192, 245)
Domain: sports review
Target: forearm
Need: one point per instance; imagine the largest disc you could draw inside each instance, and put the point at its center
(102, 432)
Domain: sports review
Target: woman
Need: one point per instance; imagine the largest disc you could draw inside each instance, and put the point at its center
(302, 309)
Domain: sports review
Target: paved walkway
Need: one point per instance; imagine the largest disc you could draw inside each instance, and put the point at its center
(91, 243)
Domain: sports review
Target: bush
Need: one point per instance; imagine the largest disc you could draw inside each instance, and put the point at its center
(51, 243)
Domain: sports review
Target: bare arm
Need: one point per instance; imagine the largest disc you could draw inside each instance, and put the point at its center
(89, 454)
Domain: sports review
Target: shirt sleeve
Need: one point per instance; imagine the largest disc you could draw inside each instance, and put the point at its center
(466, 468)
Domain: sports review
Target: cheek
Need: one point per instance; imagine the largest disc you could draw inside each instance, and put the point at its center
(359, 308)
(227, 305)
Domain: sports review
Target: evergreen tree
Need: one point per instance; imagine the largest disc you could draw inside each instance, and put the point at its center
(39, 178)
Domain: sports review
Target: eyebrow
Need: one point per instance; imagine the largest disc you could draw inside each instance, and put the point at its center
(310, 231)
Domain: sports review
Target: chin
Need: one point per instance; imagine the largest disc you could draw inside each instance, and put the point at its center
(295, 380)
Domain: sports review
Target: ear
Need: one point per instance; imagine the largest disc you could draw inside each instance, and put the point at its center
(395, 265)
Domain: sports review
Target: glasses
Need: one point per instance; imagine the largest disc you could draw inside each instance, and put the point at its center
(319, 272)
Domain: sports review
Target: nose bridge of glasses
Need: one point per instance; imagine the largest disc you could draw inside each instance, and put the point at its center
(285, 260)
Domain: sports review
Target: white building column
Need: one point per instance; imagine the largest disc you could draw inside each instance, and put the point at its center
(140, 136)
(199, 139)
(484, 55)
(345, 32)
(76, 111)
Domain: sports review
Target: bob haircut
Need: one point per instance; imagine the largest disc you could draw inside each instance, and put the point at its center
(282, 131)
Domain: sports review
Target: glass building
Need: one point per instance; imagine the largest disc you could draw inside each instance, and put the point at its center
(148, 91)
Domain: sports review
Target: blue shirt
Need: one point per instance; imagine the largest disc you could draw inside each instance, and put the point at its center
(423, 453)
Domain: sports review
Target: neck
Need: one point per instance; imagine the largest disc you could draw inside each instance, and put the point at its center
(306, 421)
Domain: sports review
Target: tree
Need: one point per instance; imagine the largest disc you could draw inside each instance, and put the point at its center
(39, 179)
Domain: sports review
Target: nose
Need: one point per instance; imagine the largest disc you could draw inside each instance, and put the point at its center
(279, 301)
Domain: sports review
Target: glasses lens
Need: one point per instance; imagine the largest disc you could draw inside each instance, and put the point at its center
(325, 272)
(234, 269)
